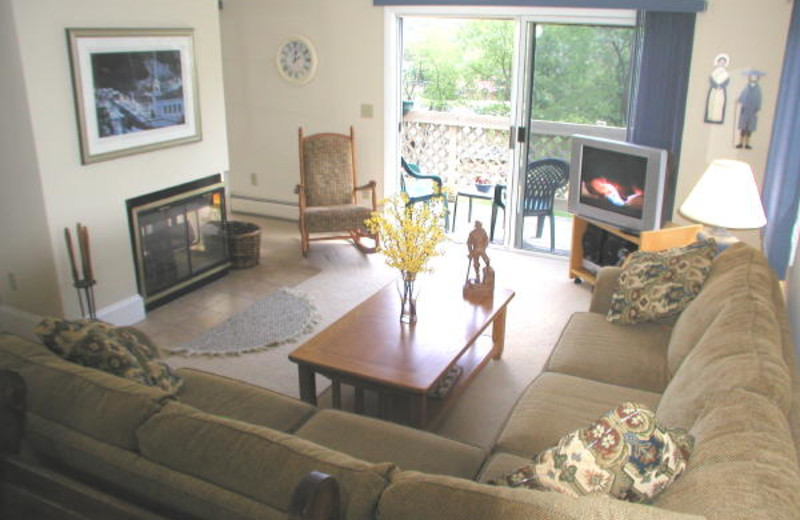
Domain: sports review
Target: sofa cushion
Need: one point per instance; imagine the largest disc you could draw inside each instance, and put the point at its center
(380, 441)
(413, 495)
(242, 401)
(257, 462)
(657, 285)
(500, 464)
(741, 349)
(122, 351)
(556, 404)
(625, 454)
(16, 352)
(139, 480)
(593, 348)
(744, 464)
(105, 407)
(738, 271)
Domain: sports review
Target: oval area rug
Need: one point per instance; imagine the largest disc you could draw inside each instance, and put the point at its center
(278, 318)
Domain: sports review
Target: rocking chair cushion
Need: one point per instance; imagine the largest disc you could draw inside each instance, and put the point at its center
(343, 217)
(324, 160)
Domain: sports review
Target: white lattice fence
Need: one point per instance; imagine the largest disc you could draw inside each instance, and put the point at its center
(457, 148)
(460, 147)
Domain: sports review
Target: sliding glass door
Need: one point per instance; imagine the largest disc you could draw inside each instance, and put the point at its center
(577, 80)
(481, 96)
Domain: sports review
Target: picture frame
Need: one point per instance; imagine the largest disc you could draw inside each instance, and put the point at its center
(135, 90)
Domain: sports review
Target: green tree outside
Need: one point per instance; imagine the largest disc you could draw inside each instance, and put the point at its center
(582, 73)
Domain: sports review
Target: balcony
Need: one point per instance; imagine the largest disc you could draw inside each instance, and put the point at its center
(460, 147)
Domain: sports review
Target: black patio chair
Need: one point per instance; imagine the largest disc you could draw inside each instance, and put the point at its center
(543, 178)
(498, 202)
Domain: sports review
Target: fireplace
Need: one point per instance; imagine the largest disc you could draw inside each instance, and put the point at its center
(179, 239)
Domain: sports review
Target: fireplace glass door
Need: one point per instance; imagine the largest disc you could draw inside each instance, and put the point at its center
(180, 240)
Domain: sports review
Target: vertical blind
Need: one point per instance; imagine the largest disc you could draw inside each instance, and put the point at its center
(660, 102)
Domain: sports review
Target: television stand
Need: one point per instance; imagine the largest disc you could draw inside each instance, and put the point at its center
(671, 235)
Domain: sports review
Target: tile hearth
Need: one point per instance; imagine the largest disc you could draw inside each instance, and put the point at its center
(195, 313)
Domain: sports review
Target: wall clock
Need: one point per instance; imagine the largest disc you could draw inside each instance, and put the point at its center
(297, 60)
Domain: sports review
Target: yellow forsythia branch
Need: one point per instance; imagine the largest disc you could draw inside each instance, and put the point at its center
(409, 233)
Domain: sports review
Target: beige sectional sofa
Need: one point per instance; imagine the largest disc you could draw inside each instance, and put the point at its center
(221, 449)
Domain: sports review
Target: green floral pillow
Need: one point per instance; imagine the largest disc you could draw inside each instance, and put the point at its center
(625, 454)
(656, 285)
(122, 351)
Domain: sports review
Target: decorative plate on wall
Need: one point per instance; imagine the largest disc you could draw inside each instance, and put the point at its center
(297, 60)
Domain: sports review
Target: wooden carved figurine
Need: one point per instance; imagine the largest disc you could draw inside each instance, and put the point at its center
(483, 282)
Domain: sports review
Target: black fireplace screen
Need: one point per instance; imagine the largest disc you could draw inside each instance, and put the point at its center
(179, 239)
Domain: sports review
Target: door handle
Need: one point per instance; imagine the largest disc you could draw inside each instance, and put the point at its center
(516, 134)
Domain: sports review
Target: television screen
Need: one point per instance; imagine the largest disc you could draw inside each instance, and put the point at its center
(617, 182)
(613, 181)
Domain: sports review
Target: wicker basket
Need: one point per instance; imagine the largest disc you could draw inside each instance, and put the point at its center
(244, 244)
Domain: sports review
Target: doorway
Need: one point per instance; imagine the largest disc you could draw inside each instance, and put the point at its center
(457, 83)
(480, 98)
(577, 80)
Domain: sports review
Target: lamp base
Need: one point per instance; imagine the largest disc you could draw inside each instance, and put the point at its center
(723, 237)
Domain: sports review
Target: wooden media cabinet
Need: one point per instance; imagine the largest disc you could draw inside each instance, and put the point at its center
(667, 237)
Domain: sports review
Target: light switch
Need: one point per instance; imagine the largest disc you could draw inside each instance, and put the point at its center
(366, 110)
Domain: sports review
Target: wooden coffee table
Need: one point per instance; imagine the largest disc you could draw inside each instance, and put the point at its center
(370, 349)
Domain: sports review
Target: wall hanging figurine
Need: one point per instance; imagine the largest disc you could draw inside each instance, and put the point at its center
(749, 104)
(717, 97)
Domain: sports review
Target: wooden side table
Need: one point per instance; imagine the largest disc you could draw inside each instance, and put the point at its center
(470, 193)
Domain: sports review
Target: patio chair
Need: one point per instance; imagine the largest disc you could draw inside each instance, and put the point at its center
(498, 202)
(328, 190)
(542, 179)
(423, 187)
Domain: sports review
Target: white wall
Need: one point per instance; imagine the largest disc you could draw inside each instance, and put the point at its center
(28, 274)
(753, 34)
(95, 194)
(264, 112)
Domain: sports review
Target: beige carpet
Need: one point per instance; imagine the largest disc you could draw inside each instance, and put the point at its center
(545, 299)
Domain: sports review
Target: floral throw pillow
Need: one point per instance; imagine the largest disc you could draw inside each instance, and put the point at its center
(625, 454)
(122, 351)
(656, 285)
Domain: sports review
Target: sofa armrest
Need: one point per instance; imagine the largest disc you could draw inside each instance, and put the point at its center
(604, 287)
(13, 395)
(316, 497)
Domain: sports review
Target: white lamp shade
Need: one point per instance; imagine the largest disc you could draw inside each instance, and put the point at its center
(726, 196)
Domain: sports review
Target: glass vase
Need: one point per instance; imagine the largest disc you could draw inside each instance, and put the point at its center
(408, 297)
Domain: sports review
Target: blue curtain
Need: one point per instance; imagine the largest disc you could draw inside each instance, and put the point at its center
(660, 94)
(782, 176)
(685, 6)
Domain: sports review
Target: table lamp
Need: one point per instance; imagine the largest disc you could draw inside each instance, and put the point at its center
(726, 197)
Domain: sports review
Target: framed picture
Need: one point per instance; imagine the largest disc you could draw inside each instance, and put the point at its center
(135, 90)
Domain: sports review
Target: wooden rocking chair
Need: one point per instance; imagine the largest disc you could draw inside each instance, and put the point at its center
(328, 191)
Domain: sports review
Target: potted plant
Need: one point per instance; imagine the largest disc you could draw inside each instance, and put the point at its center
(409, 236)
(483, 184)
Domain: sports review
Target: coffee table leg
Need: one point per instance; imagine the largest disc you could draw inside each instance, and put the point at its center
(358, 402)
(336, 394)
(308, 384)
(499, 334)
(419, 410)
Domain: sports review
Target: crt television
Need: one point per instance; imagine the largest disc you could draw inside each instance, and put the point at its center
(617, 182)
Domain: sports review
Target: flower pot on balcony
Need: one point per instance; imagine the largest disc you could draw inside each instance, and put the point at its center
(483, 188)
